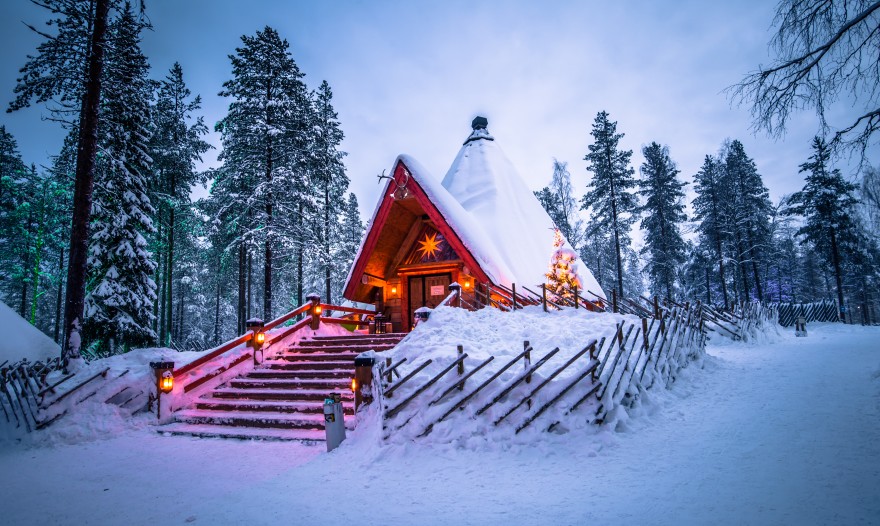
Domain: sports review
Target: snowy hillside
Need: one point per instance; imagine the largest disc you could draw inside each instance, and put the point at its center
(23, 340)
(781, 433)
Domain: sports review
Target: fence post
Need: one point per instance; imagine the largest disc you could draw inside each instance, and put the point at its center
(527, 360)
(460, 367)
(656, 308)
(645, 332)
(362, 384)
(513, 285)
(164, 372)
(576, 297)
(455, 287)
(315, 311)
(388, 367)
(544, 296)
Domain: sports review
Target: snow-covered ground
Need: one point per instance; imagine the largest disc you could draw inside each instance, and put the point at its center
(782, 433)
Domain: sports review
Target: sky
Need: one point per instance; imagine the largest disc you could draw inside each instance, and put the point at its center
(408, 77)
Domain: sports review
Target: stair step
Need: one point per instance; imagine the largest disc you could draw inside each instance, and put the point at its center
(317, 356)
(269, 406)
(281, 394)
(304, 347)
(301, 373)
(387, 336)
(307, 436)
(255, 419)
(332, 384)
(284, 365)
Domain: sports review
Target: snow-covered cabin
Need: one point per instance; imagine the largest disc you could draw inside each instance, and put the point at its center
(481, 224)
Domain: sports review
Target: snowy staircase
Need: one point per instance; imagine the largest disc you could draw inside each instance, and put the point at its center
(283, 398)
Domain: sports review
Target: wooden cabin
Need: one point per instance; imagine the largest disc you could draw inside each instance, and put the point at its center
(481, 224)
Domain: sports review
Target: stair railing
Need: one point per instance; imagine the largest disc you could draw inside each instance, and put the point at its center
(240, 355)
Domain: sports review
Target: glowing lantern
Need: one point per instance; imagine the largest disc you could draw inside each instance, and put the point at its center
(318, 309)
(260, 338)
(166, 382)
(467, 284)
(354, 385)
(393, 290)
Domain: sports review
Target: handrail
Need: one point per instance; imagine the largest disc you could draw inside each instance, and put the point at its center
(278, 321)
(350, 310)
(244, 338)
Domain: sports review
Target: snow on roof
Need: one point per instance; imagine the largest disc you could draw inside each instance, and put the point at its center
(500, 205)
(23, 340)
(493, 212)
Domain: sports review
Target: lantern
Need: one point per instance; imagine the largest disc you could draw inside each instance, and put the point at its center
(260, 338)
(393, 290)
(354, 385)
(467, 284)
(318, 310)
(166, 382)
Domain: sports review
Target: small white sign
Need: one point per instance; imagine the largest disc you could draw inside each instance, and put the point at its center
(437, 290)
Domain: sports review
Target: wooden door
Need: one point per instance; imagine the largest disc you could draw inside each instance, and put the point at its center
(427, 291)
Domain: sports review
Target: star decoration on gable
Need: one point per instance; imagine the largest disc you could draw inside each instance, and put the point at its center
(430, 246)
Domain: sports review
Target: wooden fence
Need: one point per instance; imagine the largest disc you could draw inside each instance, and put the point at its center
(33, 395)
(822, 311)
(604, 374)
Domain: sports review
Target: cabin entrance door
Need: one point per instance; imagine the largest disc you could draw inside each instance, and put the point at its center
(427, 291)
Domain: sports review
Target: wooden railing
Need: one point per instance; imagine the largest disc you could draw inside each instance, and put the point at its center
(217, 365)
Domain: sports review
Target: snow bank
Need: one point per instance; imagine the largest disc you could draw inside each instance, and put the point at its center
(22, 340)
(490, 332)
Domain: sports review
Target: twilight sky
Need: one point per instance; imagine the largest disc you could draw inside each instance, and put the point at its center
(408, 77)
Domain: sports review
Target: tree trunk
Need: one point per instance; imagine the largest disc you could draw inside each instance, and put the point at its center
(169, 269)
(250, 280)
(82, 194)
(159, 304)
(838, 275)
(327, 243)
(267, 262)
(708, 288)
(743, 272)
(241, 288)
(217, 302)
(60, 295)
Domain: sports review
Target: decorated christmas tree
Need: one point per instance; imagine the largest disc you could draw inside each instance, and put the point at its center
(562, 277)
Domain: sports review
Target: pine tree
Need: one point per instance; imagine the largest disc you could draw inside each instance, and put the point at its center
(175, 147)
(826, 203)
(611, 200)
(264, 138)
(352, 230)
(67, 71)
(751, 212)
(119, 303)
(710, 211)
(329, 179)
(662, 212)
(562, 276)
(559, 202)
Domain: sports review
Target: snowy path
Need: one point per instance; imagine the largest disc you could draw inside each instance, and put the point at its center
(780, 434)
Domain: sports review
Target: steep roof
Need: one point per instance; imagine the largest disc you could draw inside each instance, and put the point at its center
(498, 202)
(488, 209)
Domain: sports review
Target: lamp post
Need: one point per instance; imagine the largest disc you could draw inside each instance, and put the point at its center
(256, 342)
(315, 311)
(164, 372)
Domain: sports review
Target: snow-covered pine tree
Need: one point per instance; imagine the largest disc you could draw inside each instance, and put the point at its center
(121, 293)
(751, 213)
(826, 203)
(562, 276)
(559, 202)
(662, 212)
(175, 147)
(264, 137)
(329, 180)
(710, 210)
(13, 176)
(352, 230)
(611, 201)
(66, 74)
